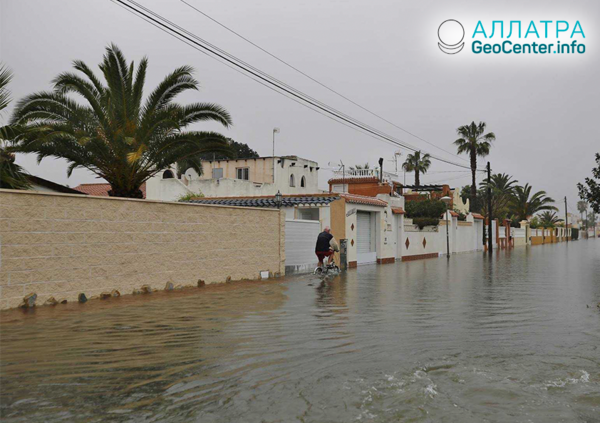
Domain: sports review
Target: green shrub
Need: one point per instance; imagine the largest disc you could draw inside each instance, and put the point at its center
(191, 196)
(427, 208)
(461, 216)
(421, 222)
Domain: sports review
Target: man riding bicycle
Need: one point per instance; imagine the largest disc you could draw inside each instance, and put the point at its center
(326, 246)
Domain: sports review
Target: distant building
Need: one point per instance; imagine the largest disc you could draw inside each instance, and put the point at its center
(263, 176)
(371, 182)
(44, 185)
(574, 220)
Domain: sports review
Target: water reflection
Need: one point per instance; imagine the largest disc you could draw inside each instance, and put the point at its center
(507, 337)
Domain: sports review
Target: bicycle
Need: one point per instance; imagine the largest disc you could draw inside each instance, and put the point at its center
(329, 267)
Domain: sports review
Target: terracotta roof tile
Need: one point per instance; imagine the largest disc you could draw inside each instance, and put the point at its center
(353, 180)
(268, 201)
(363, 199)
(101, 190)
(398, 210)
(477, 216)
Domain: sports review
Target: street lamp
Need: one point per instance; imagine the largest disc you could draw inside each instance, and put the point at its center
(275, 131)
(278, 199)
(447, 200)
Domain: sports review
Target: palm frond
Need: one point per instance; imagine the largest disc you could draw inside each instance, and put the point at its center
(5, 77)
(117, 134)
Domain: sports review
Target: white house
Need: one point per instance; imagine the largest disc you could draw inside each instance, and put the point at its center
(262, 176)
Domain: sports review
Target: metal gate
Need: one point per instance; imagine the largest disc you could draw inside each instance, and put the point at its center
(300, 241)
(365, 247)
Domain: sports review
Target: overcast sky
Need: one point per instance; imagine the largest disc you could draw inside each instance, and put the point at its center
(544, 110)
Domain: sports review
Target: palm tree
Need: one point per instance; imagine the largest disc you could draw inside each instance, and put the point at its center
(502, 186)
(12, 175)
(523, 204)
(582, 207)
(360, 167)
(116, 134)
(474, 142)
(418, 164)
(549, 219)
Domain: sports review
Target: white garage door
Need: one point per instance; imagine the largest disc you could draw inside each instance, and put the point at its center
(300, 241)
(365, 247)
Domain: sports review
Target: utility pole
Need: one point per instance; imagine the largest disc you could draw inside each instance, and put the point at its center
(275, 131)
(489, 207)
(343, 176)
(566, 221)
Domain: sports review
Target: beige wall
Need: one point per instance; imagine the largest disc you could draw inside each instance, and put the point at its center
(61, 245)
(261, 170)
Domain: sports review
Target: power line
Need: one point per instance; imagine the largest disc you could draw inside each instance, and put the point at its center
(317, 81)
(258, 81)
(265, 75)
(446, 179)
(269, 80)
(262, 83)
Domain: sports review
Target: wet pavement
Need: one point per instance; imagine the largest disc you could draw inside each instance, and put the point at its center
(511, 338)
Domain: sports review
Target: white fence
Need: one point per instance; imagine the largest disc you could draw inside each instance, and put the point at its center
(430, 241)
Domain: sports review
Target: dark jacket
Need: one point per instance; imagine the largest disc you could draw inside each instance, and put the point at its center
(323, 241)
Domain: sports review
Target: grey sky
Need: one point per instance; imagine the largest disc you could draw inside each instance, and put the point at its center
(382, 54)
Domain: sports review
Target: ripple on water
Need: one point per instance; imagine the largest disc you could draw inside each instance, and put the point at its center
(469, 340)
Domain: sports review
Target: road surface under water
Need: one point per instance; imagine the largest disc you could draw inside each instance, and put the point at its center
(504, 339)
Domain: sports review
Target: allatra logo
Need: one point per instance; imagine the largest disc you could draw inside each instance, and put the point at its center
(451, 34)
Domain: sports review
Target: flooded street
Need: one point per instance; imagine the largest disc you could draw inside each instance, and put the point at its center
(504, 339)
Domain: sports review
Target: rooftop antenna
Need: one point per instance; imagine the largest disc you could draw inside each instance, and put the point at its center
(343, 175)
(343, 169)
(397, 154)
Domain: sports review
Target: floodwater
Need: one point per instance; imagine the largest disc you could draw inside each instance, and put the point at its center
(511, 338)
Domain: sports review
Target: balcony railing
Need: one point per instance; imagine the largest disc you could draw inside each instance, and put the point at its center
(364, 173)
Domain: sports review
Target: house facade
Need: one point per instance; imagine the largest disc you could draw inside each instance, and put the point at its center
(368, 224)
(262, 176)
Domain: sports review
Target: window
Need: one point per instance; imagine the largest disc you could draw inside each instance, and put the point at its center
(339, 188)
(308, 214)
(167, 174)
(303, 182)
(292, 180)
(243, 173)
(217, 173)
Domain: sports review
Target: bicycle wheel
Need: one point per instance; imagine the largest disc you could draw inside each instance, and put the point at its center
(318, 271)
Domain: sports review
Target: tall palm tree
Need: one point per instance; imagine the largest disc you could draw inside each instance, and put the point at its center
(502, 186)
(115, 133)
(12, 175)
(549, 219)
(523, 204)
(475, 142)
(418, 164)
(582, 207)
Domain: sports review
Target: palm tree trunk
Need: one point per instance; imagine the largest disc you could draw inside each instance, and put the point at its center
(473, 181)
(417, 181)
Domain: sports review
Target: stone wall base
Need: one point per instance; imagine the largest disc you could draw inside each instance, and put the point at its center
(420, 256)
(386, 260)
